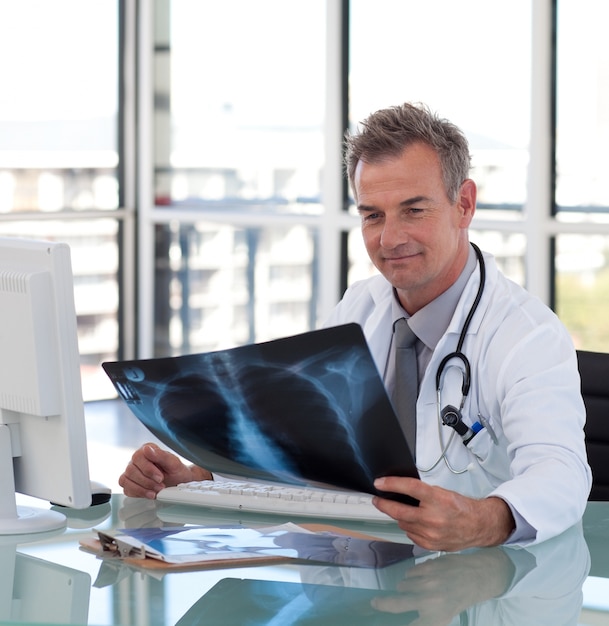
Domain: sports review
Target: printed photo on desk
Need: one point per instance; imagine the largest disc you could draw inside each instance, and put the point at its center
(226, 544)
(307, 409)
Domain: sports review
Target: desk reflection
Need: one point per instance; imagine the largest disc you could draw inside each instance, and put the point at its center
(37, 591)
(538, 585)
(541, 584)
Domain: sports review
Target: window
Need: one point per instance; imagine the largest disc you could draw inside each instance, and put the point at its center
(239, 152)
(582, 162)
(466, 68)
(238, 128)
(59, 154)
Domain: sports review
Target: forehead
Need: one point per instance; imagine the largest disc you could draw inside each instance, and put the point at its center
(416, 168)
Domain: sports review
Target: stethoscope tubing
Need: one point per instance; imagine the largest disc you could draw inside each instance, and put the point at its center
(457, 354)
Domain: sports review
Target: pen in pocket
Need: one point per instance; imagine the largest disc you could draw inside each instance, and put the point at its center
(485, 423)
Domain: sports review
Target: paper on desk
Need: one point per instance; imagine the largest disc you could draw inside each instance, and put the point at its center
(194, 543)
(206, 544)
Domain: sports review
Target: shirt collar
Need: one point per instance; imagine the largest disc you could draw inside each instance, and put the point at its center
(431, 322)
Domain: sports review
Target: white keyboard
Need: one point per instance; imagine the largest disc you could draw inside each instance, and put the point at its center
(267, 498)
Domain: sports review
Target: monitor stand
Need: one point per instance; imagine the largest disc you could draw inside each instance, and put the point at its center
(20, 520)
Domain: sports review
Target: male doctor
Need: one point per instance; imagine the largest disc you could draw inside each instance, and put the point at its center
(513, 469)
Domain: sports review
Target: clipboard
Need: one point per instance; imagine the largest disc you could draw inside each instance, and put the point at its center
(241, 545)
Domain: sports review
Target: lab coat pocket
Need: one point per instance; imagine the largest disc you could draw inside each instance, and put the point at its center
(481, 445)
(490, 454)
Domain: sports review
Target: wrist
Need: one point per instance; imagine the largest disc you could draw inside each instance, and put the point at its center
(501, 520)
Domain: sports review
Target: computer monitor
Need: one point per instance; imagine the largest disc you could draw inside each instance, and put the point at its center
(43, 449)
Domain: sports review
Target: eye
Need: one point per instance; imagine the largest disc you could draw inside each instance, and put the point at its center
(370, 217)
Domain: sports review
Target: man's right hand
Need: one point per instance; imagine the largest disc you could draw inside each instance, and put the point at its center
(152, 469)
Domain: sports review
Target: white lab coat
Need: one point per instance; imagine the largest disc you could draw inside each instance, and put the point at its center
(525, 382)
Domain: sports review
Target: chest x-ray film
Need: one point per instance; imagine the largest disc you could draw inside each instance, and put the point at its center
(307, 409)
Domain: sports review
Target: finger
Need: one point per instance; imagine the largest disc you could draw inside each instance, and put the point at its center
(141, 474)
(161, 460)
(147, 474)
(145, 463)
(393, 508)
(135, 489)
(150, 453)
(405, 485)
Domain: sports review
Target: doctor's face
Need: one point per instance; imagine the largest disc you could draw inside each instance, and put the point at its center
(415, 236)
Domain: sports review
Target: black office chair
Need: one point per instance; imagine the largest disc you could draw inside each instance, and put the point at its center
(594, 372)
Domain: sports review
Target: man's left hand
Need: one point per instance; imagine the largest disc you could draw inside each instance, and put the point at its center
(445, 520)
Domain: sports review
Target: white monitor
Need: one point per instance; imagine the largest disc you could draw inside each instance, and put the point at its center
(43, 449)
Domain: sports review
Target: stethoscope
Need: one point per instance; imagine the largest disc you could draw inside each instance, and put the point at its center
(450, 415)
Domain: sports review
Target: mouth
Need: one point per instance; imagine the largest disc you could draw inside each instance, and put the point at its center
(393, 258)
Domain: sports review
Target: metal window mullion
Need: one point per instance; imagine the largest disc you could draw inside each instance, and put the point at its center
(537, 210)
(126, 178)
(145, 180)
(332, 189)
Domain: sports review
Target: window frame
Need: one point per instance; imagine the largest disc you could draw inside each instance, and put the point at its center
(538, 221)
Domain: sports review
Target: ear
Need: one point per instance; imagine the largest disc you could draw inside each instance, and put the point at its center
(467, 201)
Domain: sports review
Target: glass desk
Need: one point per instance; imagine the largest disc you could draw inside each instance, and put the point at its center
(51, 580)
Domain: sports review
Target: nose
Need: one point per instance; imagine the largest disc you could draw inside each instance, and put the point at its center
(393, 234)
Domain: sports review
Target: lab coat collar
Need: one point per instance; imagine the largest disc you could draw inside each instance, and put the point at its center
(469, 294)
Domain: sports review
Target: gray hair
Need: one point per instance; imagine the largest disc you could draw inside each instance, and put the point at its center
(388, 132)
